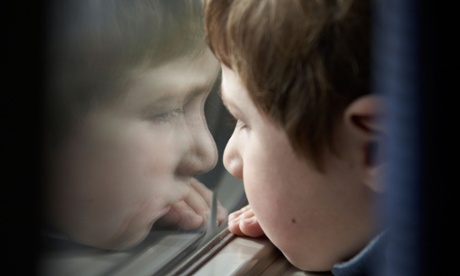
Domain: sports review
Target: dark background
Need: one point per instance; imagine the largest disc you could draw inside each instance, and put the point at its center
(22, 37)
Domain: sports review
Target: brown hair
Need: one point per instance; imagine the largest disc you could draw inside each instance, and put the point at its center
(302, 61)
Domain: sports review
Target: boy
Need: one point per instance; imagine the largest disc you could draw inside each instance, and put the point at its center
(295, 75)
(125, 129)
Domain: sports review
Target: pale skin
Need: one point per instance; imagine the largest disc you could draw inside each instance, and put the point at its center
(132, 162)
(316, 219)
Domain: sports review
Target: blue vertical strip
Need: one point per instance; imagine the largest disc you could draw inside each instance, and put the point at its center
(397, 75)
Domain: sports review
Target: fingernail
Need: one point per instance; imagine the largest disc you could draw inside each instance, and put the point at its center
(248, 220)
(247, 215)
(232, 216)
(193, 218)
(198, 219)
(233, 221)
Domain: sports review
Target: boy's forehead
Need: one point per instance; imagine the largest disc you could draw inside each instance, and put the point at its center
(175, 81)
(180, 76)
(231, 84)
(234, 93)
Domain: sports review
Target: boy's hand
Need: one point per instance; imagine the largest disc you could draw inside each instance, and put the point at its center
(244, 223)
(193, 212)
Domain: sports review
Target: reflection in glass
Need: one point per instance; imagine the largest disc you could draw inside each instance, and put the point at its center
(125, 132)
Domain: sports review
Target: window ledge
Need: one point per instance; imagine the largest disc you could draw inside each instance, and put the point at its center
(227, 254)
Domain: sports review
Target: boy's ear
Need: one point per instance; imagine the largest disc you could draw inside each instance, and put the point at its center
(364, 116)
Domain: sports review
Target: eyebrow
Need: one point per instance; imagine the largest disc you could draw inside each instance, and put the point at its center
(204, 88)
(185, 93)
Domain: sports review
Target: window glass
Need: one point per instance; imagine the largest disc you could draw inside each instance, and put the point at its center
(134, 134)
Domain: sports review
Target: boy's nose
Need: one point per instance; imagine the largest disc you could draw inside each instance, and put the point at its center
(232, 158)
(201, 151)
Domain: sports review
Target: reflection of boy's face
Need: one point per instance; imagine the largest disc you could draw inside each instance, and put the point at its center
(314, 218)
(126, 163)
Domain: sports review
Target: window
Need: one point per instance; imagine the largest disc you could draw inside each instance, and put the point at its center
(124, 136)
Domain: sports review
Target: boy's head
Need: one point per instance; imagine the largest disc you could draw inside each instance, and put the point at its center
(96, 48)
(303, 62)
(125, 127)
(295, 75)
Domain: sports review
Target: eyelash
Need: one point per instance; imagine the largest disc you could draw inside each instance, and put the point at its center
(168, 116)
(231, 121)
(235, 123)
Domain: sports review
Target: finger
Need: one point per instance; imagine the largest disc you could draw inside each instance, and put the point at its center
(234, 215)
(199, 200)
(244, 223)
(234, 220)
(222, 214)
(182, 216)
(197, 204)
(202, 204)
(251, 227)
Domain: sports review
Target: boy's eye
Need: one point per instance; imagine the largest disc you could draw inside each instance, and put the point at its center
(240, 124)
(235, 123)
(231, 121)
(168, 116)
